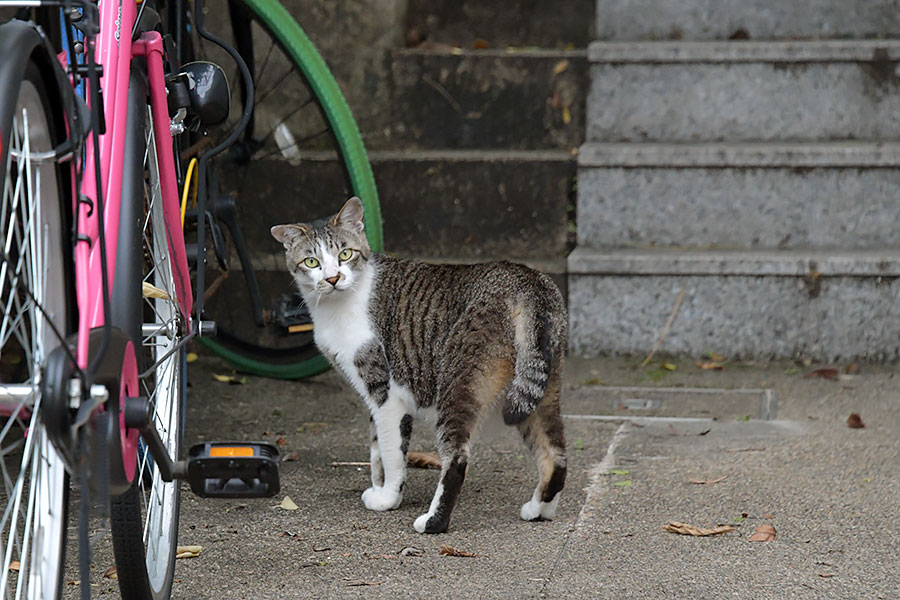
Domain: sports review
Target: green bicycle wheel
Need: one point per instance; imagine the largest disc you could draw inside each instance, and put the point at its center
(302, 144)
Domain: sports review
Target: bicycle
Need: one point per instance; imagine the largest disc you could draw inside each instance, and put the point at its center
(98, 310)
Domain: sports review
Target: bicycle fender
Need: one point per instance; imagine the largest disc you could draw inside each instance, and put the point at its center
(19, 42)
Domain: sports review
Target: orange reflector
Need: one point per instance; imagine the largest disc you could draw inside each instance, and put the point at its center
(231, 451)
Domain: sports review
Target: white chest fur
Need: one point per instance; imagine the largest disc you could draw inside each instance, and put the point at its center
(341, 326)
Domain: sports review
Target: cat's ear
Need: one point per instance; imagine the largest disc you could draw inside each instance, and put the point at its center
(350, 216)
(288, 234)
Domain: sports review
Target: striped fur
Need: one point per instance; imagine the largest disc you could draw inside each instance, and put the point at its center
(455, 340)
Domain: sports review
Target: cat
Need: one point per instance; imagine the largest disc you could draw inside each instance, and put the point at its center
(411, 336)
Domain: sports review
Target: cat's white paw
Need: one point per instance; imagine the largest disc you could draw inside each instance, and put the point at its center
(534, 509)
(379, 498)
(421, 521)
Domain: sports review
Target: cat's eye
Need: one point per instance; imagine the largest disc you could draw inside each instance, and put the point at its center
(346, 254)
(311, 262)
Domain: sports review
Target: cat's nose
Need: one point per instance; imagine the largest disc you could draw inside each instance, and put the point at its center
(333, 280)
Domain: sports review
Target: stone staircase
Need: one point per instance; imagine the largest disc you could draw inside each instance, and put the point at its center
(740, 172)
(479, 158)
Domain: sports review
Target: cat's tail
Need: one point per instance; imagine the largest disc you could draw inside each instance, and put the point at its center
(537, 343)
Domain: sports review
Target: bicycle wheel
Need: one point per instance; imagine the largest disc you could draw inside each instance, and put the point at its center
(144, 520)
(35, 290)
(302, 143)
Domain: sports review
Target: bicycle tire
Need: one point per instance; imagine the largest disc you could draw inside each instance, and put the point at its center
(295, 364)
(27, 113)
(144, 520)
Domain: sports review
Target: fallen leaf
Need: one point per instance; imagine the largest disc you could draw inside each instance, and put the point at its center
(708, 481)
(826, 575)
(710, 366)
(188, 551)
(229, 379)
(111, 573)
(423, 460)
(852, 369)
(281, 441)
(412, 551)
(560, 67)
(293, 456)
(287, 504)
(763, 533)
(685, 529)
(14, 565)
(451, 551)
(827, 373)
(618, 472)
(625, 483)
(358, 583)
(191, 357)
(854, 421)
(714, 356)
(668, 366)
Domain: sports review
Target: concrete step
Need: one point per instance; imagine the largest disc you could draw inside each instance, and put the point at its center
(498, 23)
(476, 204)
(822, 305)
(744, 91)
(739, 195)
(754, 19)
(531, 99)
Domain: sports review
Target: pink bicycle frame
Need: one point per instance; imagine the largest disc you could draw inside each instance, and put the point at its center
(114, 52)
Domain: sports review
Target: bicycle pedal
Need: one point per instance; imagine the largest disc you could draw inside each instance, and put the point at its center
(233, 470)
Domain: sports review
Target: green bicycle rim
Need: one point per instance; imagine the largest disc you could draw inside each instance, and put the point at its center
(297, 44)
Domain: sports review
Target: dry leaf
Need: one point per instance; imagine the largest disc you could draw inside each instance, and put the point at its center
(293, 456)
(826, 575)
(451, 551)
(151, 291)
(287, 504)
(827, 373)
(710, 366)
(111, 573)
(668, 366)
(763, 533)
(14, 565)
(423, 460)
(358, 583)
(707, 481)
(854, 421)
(715, 357)
(685, 529)
(230, 379)
(560, 67)
(188, 551)
(281, 441)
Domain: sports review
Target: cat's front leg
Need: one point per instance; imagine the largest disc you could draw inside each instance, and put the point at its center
(393, 428)
(376, 467)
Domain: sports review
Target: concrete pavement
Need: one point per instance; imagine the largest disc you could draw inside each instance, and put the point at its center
(831, 492)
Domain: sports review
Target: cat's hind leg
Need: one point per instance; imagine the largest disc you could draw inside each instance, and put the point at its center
(459, 408)
(543, 434)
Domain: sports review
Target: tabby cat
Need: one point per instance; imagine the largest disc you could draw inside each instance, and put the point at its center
(452, 342)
